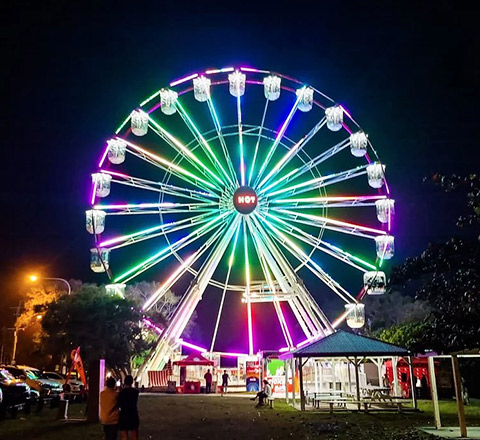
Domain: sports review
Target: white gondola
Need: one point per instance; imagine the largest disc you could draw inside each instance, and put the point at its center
(385, 245)
(334, 117)
(139, 122)
(376, 175)
(99, 259)
(116, 151)
(201, 88)
(305, 99)
(237, 83)
(375, 282)
(358, 144)
(102, 183)
(116, 289)
(271, 87)
(95, 221)
(168, 101)
(385, 209)
(355, 315)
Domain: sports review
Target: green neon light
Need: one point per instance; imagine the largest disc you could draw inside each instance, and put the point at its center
(168, 248)
(203, 141)
(185, 150)
(230, 260)
(122, 124)
(150, 98)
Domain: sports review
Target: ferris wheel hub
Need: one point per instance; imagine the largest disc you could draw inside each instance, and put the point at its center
(245, 200)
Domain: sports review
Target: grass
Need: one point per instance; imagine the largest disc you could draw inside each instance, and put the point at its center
(235, 418)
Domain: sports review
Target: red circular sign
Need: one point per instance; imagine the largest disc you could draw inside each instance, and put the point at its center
(245, 200)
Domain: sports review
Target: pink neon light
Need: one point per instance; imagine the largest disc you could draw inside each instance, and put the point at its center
(113, 173)
(193, 346)
(227, 354)
(250, 327)
(94, 191)
(250, 69)
(283, 350)
(152, 325)
(182, 80)
(104, 156)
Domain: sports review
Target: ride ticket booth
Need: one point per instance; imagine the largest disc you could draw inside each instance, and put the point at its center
(192, 370)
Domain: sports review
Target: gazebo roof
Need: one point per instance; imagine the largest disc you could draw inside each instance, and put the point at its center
(343, 344)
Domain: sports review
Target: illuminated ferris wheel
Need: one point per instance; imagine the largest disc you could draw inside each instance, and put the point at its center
(239, 183)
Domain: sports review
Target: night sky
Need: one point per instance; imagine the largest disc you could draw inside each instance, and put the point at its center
(408, 72)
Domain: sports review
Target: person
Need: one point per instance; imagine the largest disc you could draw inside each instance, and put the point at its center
(264, 394)
(424, 387)
(208, 381)
(127, 401)
(224, 382)
(109, 410)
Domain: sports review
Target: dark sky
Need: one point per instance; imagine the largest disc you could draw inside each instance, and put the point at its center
(409, 71)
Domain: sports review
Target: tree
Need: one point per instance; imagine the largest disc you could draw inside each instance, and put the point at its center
(103, 326)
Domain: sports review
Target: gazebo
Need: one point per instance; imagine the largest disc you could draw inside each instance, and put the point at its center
(342, 345)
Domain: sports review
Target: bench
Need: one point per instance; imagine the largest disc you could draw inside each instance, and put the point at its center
(271, 402)
(331, 400)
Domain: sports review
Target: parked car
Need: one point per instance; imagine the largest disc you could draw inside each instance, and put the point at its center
(34, 378)
(74, 382)
(15, 395)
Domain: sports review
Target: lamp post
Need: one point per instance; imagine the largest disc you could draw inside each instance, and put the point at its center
(34, 278)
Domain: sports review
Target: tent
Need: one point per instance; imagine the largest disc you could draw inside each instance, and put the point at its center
(193, 359)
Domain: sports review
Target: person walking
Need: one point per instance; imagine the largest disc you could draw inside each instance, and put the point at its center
(109, 414)
(225, 379)
(208, 381)
(129, 420)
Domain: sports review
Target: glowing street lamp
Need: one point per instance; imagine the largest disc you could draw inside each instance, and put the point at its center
(34, 278)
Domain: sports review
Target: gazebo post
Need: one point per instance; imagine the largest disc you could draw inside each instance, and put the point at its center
(302, 393)
(357, 380)
(294, 374)
(285, 362)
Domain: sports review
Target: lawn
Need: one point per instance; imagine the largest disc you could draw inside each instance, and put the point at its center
(235, 418)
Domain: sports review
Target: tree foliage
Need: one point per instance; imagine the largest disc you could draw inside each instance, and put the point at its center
(103, 326)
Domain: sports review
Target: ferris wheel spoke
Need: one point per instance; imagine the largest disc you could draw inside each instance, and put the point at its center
(227, 278)
(160, 187)
(322, 245)
(156, 231)
(240, 136)
(221, 139)
(194, 293)
(204, 145)
(291, 153)
(320, 182)
(279, 137)
(332, 224)
(308, 314)
(297, 172)
(171, 249)
(266, 272)
(185, 152)
(309, 263)
(247, 290)
(156, 208)
(252, 166)
(328, 202)
(168, 166)
(180, 271)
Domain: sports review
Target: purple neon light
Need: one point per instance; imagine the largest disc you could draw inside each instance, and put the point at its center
(94, 192)
(182, 80)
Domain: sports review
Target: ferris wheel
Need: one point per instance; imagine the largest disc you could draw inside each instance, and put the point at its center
(239, 183)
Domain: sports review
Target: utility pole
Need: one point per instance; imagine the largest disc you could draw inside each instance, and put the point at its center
(16, 329)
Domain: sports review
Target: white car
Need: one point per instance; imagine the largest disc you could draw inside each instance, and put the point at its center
(60, 378)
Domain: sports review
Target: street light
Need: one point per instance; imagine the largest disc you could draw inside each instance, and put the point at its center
(34, 278)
